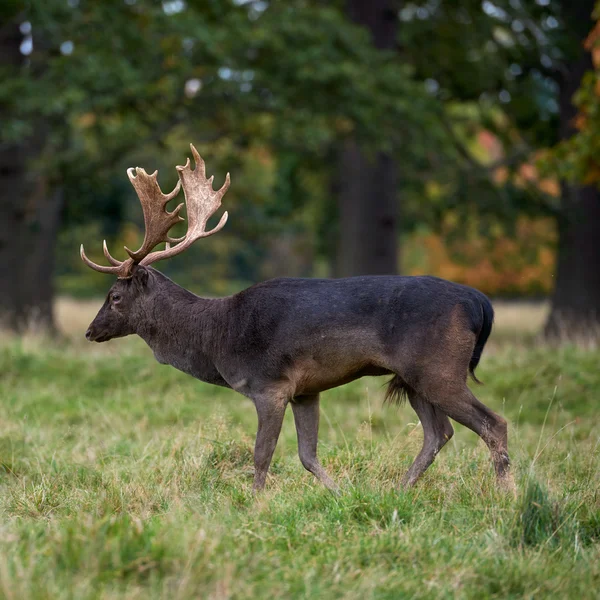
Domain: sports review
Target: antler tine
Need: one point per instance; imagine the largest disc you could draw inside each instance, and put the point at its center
(121, 269)
(111, 260)
(199, 161)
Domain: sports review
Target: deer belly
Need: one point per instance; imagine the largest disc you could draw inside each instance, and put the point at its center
(311, 377)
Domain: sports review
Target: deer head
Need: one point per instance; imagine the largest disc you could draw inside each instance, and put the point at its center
(117, 316)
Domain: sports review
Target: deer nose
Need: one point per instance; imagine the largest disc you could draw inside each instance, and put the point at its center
(88, 334)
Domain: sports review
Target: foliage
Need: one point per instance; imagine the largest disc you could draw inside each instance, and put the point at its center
(576, 158)
(493, 67)
(121, 478)
(223, 69)
(267, 89)
(499, 264)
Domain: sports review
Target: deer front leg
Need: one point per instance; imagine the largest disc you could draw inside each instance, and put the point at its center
(306, 418)
(270, 418)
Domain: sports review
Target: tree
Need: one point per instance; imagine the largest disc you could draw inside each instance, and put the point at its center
(29, 213)
(462, 53)
(575, 304)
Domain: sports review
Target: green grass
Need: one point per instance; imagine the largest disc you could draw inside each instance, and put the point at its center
(121, 478)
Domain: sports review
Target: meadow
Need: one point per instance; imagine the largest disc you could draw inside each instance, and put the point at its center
(121, 478)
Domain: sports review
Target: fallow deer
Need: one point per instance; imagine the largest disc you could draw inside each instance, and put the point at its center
(286, 340)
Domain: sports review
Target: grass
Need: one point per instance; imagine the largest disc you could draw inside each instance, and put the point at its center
(121, 478)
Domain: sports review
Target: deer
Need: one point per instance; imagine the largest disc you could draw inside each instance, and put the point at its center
(286, 340)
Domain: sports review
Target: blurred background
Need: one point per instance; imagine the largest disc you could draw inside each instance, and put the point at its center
(453, 138)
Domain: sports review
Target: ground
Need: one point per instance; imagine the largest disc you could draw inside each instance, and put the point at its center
(121, 478)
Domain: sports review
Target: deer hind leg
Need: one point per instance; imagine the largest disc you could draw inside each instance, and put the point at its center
(437, 430)
(464, 408)
(306, 418)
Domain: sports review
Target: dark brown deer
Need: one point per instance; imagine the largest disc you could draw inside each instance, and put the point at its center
(286, 340)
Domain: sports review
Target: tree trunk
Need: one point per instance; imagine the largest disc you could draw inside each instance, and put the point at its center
(575, 312)
(368, 213)
(366, 187)
(29, 220)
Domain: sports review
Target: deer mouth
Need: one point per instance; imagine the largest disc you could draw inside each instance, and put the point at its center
(91, 336)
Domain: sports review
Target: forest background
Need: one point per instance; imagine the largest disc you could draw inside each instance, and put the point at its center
(452, 138)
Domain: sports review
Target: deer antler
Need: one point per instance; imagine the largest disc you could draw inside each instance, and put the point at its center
(201, 200)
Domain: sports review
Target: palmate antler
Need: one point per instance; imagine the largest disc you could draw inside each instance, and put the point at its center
(201, 202)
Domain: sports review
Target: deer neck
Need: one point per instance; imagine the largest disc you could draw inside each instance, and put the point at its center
(182, 330)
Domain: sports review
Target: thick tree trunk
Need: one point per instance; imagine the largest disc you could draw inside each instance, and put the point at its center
(29, 220)
(366, 187)
(368, 213)
(575, 310)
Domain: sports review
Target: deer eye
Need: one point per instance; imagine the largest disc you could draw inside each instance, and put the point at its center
(116, 297)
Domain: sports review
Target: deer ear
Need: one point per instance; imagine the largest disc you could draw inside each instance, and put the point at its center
(140, 276)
